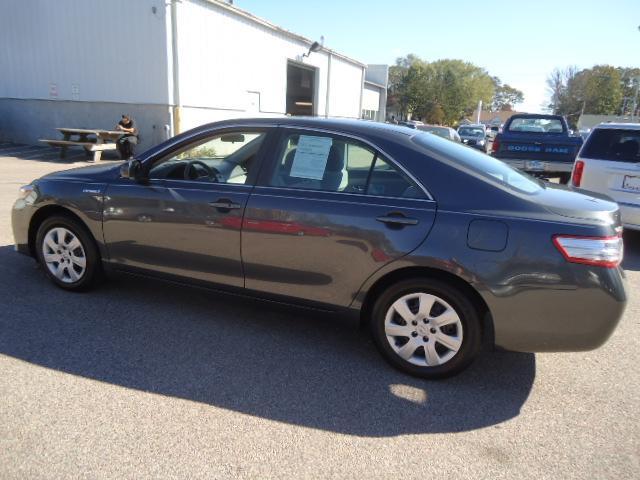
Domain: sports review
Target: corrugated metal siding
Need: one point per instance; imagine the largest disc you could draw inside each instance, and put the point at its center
(223, 57)
(371, 99)
(346, 89)
(89, 50)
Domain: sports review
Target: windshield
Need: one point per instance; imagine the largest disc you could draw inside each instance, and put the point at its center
(536, 124)
(471, 131)
(482, 164)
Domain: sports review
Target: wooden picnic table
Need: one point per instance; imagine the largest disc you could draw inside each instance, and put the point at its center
(92, 140)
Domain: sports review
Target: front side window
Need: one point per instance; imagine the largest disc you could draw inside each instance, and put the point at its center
(333, 164)
(224, 158)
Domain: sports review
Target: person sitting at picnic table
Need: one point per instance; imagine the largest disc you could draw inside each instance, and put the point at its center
(126, 143)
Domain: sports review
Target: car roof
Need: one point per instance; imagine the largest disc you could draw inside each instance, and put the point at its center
(359, 128)
(347, 125)
(620, 125)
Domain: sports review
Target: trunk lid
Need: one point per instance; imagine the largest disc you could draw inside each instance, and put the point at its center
(582, 205)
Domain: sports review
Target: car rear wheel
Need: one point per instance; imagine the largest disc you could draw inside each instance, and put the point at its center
(68, 254)
(426, 328)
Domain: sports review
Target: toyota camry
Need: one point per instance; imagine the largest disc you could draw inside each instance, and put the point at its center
(439, 249)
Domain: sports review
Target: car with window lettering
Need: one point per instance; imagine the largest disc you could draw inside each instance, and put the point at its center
(439, 249)
(541, 145)
(609, 163)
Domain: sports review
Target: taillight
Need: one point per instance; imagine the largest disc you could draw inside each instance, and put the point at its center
(495, 146)
(599, 251)
(576, 177)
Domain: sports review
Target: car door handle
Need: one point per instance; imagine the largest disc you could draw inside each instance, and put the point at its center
(397, 220)
(224, 204)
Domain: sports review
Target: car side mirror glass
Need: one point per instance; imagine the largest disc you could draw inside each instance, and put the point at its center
(131, 170)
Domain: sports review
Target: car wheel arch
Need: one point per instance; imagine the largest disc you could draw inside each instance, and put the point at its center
(48, 211)
(406, 273)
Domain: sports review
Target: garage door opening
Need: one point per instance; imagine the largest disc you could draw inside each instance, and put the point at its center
(301, 89)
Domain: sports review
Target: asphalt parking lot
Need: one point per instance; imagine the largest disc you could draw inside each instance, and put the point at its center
(140, 379)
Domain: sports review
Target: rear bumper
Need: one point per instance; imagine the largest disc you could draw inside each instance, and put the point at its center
(572, 318)
(630, 215)
(539, 166)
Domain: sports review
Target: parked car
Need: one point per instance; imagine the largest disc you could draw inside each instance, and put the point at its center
(438, 248)
(609, 163)
(412, 123)
(538, 144)
(475, 136)
(444, 132)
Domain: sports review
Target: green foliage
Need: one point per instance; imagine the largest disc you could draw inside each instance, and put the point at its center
(204, 151)
(443, 91)
(505, 97)
(599, 90)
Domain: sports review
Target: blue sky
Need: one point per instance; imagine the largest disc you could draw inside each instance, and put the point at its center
(518, 41)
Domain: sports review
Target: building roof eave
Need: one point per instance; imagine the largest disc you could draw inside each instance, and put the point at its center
(260, 21)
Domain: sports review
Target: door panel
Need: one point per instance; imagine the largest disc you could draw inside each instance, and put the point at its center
(170, 227)
(322, 246)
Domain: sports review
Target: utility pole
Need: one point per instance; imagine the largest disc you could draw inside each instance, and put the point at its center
(635, 98)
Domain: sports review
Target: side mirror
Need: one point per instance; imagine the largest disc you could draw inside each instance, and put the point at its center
(232, 138)
(131, 170)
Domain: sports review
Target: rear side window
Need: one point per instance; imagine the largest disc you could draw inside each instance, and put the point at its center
(481, 164)
(334, 164)
(614, 144)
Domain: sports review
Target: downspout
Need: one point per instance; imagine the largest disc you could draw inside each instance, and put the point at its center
(326, 102)
(362, 91)
(177, 106)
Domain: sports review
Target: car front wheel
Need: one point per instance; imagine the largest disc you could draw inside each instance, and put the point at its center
(67, 253)
(426, 328)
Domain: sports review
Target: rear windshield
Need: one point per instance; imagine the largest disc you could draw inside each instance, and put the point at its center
(471, 131)
(482, 164)
(536, 124)
(614, 144)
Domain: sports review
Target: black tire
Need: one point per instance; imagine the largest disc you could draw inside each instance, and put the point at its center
(93, 270)
(564, 178)
(459, 301)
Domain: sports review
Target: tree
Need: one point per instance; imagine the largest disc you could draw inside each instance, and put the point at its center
(443, 91)
(557, 83)
(598, 90)
(505, 97)
(630, 78)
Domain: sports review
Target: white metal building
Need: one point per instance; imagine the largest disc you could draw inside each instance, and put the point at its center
(171, 64)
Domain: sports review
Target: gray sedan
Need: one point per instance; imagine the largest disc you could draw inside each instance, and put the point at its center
(437, 248)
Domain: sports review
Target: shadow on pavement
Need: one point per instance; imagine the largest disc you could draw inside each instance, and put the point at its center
(39, 153)
(245, 356)
(631, 250)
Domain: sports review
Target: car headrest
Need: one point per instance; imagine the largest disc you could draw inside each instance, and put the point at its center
(288, 161)
(335, 160)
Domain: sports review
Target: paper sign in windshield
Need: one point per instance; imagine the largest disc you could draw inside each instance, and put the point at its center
(311, 156)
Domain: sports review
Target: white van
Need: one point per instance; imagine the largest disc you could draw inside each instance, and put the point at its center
(609, 163)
